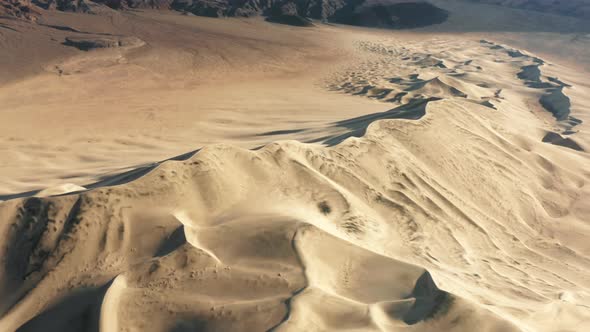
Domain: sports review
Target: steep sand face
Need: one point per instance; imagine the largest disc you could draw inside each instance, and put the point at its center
(411, 187)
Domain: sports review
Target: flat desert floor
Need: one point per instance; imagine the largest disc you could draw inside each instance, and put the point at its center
(239, 175)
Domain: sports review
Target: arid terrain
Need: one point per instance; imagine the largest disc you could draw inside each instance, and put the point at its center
(273, 169)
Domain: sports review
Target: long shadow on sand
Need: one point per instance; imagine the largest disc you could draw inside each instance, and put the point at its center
(357, 127)
(3, 26)
(111, 179)
(136, 173)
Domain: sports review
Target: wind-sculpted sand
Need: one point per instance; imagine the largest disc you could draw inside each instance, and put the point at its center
(399, 182)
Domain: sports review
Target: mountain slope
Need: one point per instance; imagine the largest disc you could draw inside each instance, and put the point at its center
(576, 8)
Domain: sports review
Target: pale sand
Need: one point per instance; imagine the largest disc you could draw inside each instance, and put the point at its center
(423, 200)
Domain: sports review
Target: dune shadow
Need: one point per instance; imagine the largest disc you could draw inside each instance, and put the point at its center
(136, 173)
(357, 127)
(62, 28)
(34, 247)
(122, 178)
(109, 180)
(553, 99)
(281, 132)
(4, 26)
(18, 195)
(173, 242)
(189, 325)
(557, 139)
(430, 300)
(182, 157)
(70, 29)
(78, 311)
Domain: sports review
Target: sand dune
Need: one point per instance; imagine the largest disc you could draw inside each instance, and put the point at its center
(263, 254)
(325, 179)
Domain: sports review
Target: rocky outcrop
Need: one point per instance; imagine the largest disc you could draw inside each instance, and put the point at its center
(393, 13)
(288, 14)
(18, 8)
(318, 9)
(402, 15)
(372, 13)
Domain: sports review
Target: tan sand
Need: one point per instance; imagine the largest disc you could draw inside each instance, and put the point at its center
(408, 187)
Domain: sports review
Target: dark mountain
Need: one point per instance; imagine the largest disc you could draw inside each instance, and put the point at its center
(391, 14)
(18, 8)
(402, 15)
(575, 8)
